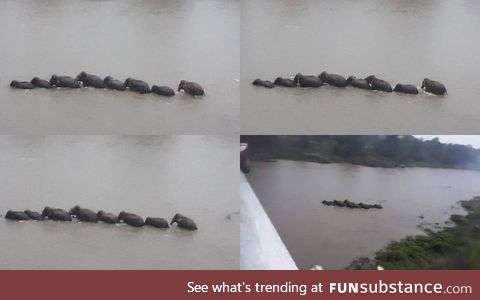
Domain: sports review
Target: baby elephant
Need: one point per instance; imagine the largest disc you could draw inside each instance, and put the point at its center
(24, 85)
(41, 83)
(191, 88)
(358, 83)
(84, 214)
(17, 215)
(91, 80)
(131, 219)
(184, 222)
(107, 217)
(163, 91)
(114, 84)
(286, 82)
(265, 83)
(333, 79)
(406, 89)
(157, 222)
(34, 215)
(434, 87)
(56, 214)
(137, 85)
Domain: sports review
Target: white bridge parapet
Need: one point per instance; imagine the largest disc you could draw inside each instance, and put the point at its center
(261, 248)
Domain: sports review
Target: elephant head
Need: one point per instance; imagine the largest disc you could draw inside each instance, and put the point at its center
(181, 85)
(74, 210)
(13, 83)
(81, 76)
(350, 79)
(46, 211)
(297, 78)
(370, 78)
(323, 75)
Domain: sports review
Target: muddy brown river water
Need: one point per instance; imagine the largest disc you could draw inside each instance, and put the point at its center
(150, 176)
(291, 193)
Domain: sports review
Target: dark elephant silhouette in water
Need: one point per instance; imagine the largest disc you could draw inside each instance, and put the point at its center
(131, 219)
(307, 80)
(333, 79)
(434, 87)
(286, 82)
(379, 84)
(358, 82)
(91, 80)
(406, 89)
(17, 215)
(114, 84)
(265, 83)
(107, 217)
(41, 83)
(138, 86)
(184, 222)
(191, 88)
(23, 85)
(56, 214)
(84, 214)
(157, 222)
(34, 215)
(64, 81)
(163, 91)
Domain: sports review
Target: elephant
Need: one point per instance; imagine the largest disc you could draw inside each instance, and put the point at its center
(107, 217)
(34, 215)
(406, 89)
(362, 205)
(41, 83)
(379, 84)
(307, 80)
(84, 214)
(17, 215)
(91, 80)
(338, 203)
(163, 91)
(183, 222)
(333, 79)
(358, 83)
(64, 81)
(157, 222)
(265, 83)
(377, 206)
(191, 88)
(24, 85)
(137, 85)
(328, 203)
(114, 84)
(286, 82)
(56, 214)
(434, 87)
(131, 219)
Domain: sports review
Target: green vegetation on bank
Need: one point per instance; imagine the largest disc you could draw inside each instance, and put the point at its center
(370, 150)
(457, 247)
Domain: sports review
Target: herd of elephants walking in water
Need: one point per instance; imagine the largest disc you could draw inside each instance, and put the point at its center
(87, 215)
(89, 80)
(369, 83)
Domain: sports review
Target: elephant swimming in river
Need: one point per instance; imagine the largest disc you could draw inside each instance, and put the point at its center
(107, 217)
(286, 82)
(358, 83)
(24, 85)
(406, 89)
(114, 84)
(41, 83)
(34, 215)
(157, 222)
(137, 85)
(307, 80)
(64, 81)
(333, 79)
(434, 87)
(183, 222)
(265, 83)
(91, 80)
(379, 84)
(56, 214)
(191, 88)
(163, 91)
(17, 215)
(84, 214)
(131, 219)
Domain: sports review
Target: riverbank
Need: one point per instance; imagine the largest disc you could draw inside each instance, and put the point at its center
(457, 247)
